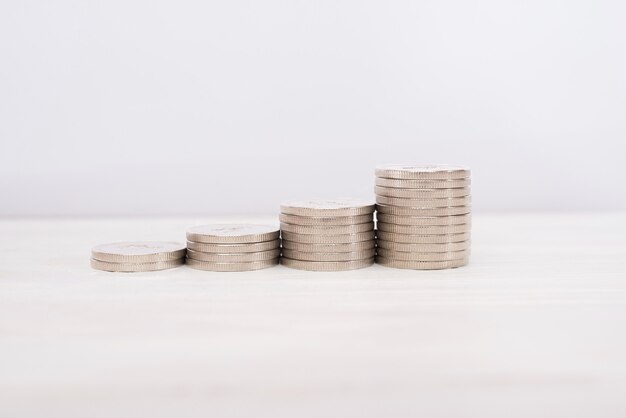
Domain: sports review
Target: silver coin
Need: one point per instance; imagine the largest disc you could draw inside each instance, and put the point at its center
(421, 239)
(316, 221)
(328, 239)
(327, 230)
(424, 230)
(326, 265)
(424, 203)
(413, 256)
(328, 207)
(421, 265)
(305, 256)
(329, 248)
(224, 267)
(251, 247)
(427, 213)
(423, 221)
(136, 267)
(138, 251)
(423, 248)
(232, 233)
(443, 172)
(423, 184)
(421, 193)
(235, 257)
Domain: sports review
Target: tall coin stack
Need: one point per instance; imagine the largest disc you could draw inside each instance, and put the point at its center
(424, 216)
(232, 247)
(137, 256)
(327, 235)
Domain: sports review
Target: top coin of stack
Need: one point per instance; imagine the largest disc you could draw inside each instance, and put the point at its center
(137, 256)
(424, 216)
(232, 247)
(327, 235)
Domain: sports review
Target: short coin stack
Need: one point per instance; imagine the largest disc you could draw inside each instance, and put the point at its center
(137, 256)
(327, 235)
(424, 216)
(232, 247)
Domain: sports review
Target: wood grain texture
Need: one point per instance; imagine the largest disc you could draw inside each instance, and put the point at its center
(534, 326)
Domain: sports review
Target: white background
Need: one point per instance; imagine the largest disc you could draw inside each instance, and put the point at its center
(174, 107)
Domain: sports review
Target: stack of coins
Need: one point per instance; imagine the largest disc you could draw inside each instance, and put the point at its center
(137, 256)
(327, 235)
(424, 216)
(232, 247)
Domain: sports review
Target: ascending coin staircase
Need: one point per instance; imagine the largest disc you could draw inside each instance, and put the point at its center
(423, 222)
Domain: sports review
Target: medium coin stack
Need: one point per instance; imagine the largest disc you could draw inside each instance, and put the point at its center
(232, 247)
(327, 235)
(424, 216)
(137, 256)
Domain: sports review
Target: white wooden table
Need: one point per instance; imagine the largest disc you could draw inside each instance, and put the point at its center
(534, 326)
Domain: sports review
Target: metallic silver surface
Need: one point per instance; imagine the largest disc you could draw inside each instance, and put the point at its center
(413, 256)
(421, 265)
(422, 239)
(232, 233)
(418, 171)
(251, 247)
(138, 251)
(428, 213)
(328, 239)
(327, 207)
(234, 257)
(316, 221)
(421, 193)
(423, 184)
(327, 230)
(329, 248)
(424, 230)
(136, 267)
(424, 203)
(424, 221)
(326, 265)
(423, 248)
(232, 267)
(307, 256)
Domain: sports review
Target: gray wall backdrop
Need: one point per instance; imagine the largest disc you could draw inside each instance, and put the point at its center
(214, 107)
